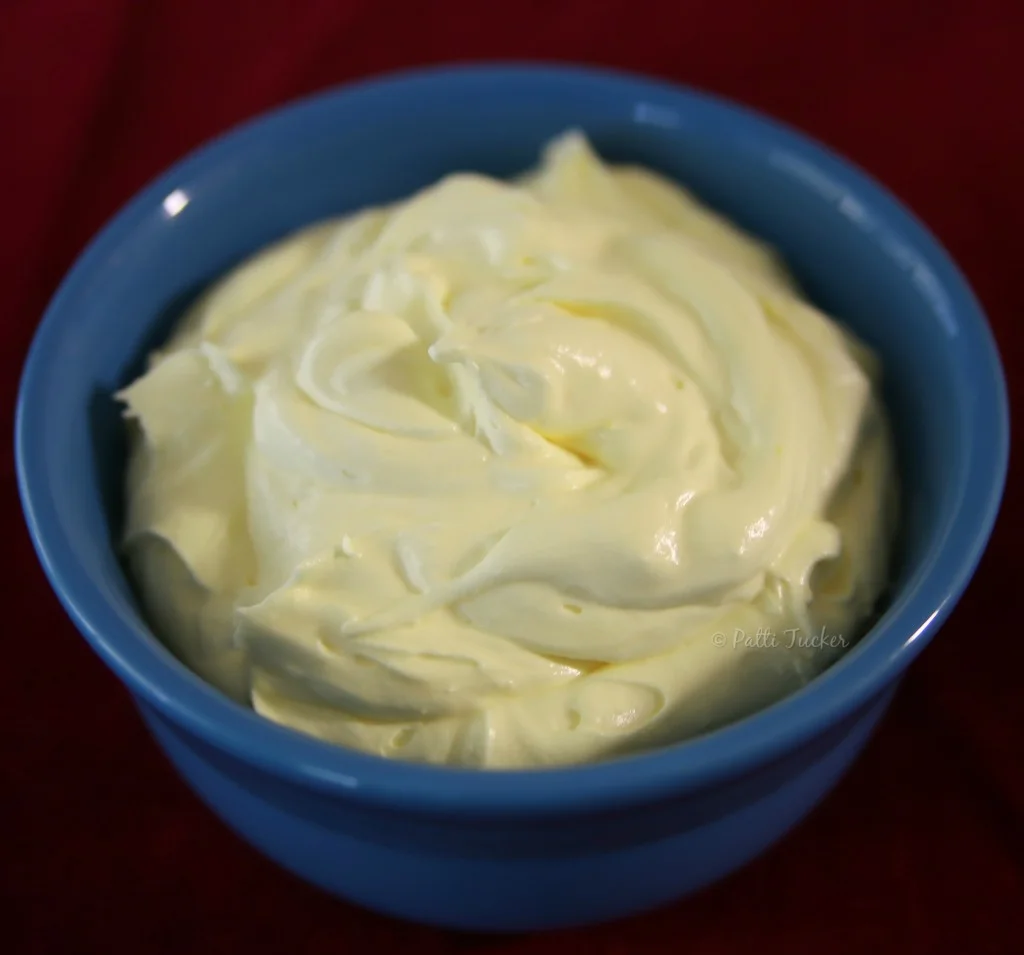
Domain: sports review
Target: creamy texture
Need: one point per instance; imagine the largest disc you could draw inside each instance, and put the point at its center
(489, 477)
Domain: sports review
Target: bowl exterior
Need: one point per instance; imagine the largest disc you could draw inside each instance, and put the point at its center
(507, 875)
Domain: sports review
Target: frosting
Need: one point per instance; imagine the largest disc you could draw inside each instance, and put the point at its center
(510, 474)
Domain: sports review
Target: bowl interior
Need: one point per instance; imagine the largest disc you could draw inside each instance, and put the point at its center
(858, 255)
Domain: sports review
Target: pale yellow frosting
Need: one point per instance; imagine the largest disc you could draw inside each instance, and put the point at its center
(510, 474)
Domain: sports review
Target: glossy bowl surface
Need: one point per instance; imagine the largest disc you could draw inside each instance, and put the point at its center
(535, 849)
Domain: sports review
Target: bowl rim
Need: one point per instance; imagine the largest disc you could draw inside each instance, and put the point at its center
(157, 679)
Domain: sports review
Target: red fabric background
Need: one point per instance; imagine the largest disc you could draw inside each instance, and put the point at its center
(921, 849)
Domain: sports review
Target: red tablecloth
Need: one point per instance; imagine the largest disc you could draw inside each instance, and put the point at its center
(102, 849)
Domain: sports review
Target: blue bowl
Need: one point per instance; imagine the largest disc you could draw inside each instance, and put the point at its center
(533, 849)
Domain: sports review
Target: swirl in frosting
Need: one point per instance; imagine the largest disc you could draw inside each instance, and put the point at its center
(510, 474)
